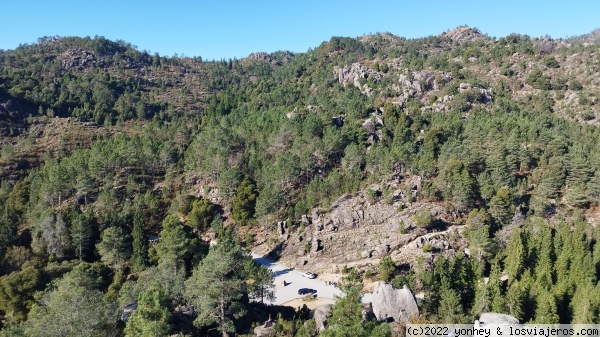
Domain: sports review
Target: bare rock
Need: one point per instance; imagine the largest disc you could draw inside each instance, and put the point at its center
(464, 34)
(322, 313)
(495, 319)
(369, 126)
(265, 330)
(399, 304)
(128, 311)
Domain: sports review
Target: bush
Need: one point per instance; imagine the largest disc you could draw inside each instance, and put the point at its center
(537, 80)
(386, 268)
(201, 214)
(423, 218)
(576, 85)
(551, 62)
(427, 248)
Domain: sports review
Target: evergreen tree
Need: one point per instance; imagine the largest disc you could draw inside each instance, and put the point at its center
(82, 234)
(514, 262)
(217, 286)
(495, 286)
(482, 299)
(73, 307)
(262, 283)
(546, 311)
(175, 245)
(201, 214)
(139, 256)
(386, 268)
(345, 317)
(514, 300)
(152, 317)
(450, 309)
(244, 202)
(115, 247)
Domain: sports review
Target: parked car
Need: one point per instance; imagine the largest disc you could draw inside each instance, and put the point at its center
(304, 291)
(309, 275)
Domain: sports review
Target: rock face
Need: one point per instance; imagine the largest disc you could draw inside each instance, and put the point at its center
(322, 313)
(354, 73)
(359, 230)
(399, 304)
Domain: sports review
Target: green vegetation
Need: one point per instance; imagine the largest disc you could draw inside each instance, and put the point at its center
(105, 148)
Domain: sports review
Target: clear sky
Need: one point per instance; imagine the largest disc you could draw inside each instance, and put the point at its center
(228, 29)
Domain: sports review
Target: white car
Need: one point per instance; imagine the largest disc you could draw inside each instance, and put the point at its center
(309, 275)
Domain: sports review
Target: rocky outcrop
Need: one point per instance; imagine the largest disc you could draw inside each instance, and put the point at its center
(360, 229)
(322, 313)
(79, 59)
(265, 330)
(397, 304)
(278, 58)
(464, 34)
(354, 74)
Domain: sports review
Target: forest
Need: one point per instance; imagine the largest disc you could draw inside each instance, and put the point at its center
(129, 178)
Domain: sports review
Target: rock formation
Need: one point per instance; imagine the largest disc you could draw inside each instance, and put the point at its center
(398, 304)
(322, 313)
(495, 318)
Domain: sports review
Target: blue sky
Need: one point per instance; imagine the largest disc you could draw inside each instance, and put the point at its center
(228, 29)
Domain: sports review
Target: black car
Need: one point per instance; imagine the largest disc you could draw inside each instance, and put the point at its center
(304, 291)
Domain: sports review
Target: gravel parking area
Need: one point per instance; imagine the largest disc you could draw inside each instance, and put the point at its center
(294, 281)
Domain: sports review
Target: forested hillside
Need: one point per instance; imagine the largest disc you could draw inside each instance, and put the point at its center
(119, 167)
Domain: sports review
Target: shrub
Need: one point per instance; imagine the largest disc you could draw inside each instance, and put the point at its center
(551, 62)
(537, 80)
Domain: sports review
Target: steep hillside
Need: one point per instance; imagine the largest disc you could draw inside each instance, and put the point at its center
(405, 160)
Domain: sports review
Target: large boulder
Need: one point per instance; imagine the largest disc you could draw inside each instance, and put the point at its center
(495, 319)
(265, 330)
(128, 311)
(262, 331)
(322, 313)
(397, 304)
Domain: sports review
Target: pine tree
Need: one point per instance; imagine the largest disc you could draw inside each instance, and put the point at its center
(217, 285)
(546, 311)
(152, 317)
(501, 205)
(244, 203)
(582, 305)
(495, 289)
(81, 234)
(482, 299)
(544, 270)
(115, 247)
(386, 268)
(139, 256)
(450, 308)
(514, 262)
(514, 300)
